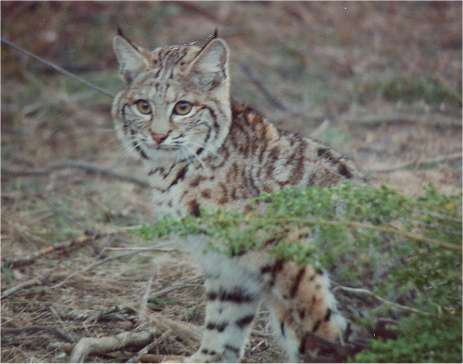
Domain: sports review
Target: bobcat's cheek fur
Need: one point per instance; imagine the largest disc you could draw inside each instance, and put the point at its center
(233, 154)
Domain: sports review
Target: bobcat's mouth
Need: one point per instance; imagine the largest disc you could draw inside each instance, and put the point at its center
(152, 146)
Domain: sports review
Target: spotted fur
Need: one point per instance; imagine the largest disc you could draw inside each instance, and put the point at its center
(219, 156)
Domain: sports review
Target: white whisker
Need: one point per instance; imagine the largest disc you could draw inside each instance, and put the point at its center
(193, 153)
(193, 144)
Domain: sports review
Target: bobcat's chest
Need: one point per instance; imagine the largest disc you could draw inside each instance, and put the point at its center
(175, 193)
(169, 203)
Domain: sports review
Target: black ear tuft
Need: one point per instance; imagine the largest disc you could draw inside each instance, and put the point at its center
(120, 32)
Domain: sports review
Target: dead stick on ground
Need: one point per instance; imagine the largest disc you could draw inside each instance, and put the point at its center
(30, 283)
(6, 332)
(87, 346)
(190, 335)
(142, 352)
(422, 163)
(93, 265)
(173, 288)
(63, 325)
(71, 244)
(65, 246)
(108, 259)
(74, 164)
(144, 302)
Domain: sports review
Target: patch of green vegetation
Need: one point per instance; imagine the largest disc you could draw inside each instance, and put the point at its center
(408, 89)
(7, 275)
(159, 302)
(433, 339)
(407, 249)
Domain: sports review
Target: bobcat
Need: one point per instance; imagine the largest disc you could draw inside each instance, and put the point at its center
(202, 149)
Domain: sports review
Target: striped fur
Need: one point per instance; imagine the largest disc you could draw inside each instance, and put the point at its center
(219, 156)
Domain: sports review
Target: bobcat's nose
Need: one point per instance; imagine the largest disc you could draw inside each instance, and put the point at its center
(157, 137)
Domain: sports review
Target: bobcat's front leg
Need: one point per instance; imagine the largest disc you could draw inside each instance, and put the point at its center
(232, 301)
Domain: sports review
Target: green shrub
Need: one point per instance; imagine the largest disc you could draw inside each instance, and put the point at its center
(405, 250)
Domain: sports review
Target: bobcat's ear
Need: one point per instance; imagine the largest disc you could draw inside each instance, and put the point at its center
(131, 60)
(210, 67)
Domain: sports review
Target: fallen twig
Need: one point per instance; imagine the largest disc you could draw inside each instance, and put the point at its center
(87, 346)
(6, 332)
(74, 164)
(93, 265)
(65, 246)
(145, 350)
(13, 290)
(76, 243)
(144, 301)
(108, 259)
(420, 163)
(63, 325)
(116, 313)
(173, 288)
(188, 334)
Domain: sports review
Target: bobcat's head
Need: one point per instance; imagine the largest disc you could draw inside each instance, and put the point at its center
(176, 101)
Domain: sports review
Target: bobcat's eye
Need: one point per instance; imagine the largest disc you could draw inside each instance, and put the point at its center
(143, 106)
(182, 107)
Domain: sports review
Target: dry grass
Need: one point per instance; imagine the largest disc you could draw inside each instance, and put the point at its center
(319, 60)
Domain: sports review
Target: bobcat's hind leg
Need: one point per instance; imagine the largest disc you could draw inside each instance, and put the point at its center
(303, 308)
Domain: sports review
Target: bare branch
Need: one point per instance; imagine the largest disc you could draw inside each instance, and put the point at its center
(144, 351)
(13, 290)
(6, 332)
(144, 301)
(57, 248)
(189, 334)
(106, 260)
(93, 265)
(173, 288)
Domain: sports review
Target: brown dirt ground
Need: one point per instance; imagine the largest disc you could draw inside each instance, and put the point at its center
(319, 60)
